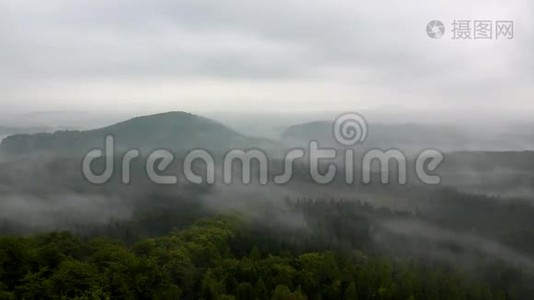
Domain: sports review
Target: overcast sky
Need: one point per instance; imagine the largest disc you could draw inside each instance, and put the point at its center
(276, 55)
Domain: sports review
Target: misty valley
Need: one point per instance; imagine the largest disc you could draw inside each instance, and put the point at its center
(470, 236)
(266, 150)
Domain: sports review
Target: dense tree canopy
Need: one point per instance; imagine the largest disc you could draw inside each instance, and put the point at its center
(215, 258)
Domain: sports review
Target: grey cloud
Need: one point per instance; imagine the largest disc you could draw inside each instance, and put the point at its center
(372, 46)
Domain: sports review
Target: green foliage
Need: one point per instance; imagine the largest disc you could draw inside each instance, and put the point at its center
(208, 260)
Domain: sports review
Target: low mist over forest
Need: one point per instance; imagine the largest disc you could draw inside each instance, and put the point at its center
(468, 236)
(266, 150)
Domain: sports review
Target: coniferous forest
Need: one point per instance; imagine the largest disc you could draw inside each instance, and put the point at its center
(192, 254)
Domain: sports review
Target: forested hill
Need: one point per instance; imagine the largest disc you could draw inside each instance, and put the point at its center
(174, 131)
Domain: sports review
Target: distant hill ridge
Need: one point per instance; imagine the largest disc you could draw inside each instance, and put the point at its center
(403, 135)
(175, 130)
